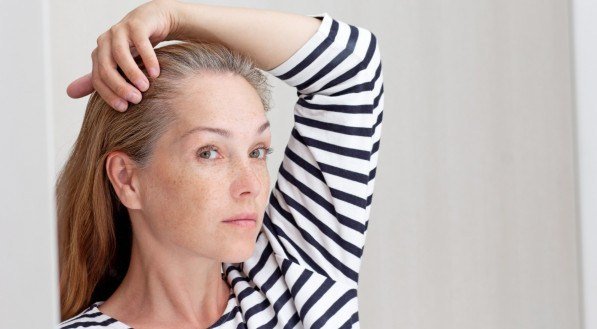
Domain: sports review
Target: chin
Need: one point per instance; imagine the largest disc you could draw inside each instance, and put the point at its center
(239, 253)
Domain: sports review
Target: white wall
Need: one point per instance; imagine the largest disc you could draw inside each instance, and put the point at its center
(27, 234)
(585, 71)
(474, 221)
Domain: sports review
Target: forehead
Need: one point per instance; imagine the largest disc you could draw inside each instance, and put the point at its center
(221, 99)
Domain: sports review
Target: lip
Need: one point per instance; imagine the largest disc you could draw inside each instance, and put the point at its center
(242, 220)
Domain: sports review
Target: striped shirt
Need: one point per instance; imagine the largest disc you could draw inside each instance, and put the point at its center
(305, 267)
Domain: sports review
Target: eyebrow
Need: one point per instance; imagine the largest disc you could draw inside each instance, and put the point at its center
(220, 131)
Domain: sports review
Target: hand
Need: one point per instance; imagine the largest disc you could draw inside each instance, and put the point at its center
(136, 34)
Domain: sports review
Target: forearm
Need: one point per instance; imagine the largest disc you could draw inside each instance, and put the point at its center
(268, 37)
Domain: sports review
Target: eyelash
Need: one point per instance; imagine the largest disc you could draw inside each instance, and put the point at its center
(268, 151)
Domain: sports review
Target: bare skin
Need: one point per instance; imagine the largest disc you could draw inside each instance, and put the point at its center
(178, 204)
(268, 37)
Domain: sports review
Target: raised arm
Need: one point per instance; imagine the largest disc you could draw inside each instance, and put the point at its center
(268, 37)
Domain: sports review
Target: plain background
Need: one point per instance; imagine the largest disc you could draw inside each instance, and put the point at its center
(477, 213)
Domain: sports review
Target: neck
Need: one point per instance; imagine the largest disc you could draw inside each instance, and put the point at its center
(168, 287)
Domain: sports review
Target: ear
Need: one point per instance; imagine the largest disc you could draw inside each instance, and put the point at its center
(124, 175)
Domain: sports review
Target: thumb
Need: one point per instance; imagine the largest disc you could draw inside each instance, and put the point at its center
(80, 87)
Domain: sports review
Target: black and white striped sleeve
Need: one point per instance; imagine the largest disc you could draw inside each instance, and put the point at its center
(319, 208)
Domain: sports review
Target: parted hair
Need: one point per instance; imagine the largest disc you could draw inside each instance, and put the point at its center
(94, 229)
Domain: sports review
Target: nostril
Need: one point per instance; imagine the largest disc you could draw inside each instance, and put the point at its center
(247, 183)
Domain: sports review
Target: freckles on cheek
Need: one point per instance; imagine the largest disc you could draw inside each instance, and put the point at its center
(188, 201)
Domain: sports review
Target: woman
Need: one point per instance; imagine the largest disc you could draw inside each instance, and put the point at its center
(165, 219)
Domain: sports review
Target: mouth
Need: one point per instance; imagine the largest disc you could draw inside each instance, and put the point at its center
(247, 220)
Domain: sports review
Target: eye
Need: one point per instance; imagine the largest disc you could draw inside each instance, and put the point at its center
(208, 152)
(261, 153)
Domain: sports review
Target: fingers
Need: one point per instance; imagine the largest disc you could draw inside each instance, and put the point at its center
(147, 53)
(121, 52)
(105, 92)
(106, 69)
(80, 87)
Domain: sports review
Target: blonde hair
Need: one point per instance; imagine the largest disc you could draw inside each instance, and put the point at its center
(94, 230)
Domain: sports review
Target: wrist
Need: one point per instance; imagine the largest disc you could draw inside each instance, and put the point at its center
(185, 22)
(178, 13)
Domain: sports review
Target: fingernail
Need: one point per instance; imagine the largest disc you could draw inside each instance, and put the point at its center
(142, 84)
(153, 72)
(134, 96)
(121, 105)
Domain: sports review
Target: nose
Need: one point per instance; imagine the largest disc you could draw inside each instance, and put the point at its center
(247, 180)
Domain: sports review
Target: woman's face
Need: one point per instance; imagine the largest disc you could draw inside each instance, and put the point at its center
(209, 168)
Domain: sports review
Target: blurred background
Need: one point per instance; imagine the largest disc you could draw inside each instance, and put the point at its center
(485, 209)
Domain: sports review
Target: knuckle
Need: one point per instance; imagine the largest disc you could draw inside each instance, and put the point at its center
(121, 90)
(118, 51)
(132, 23)
(101, 38)
(137, 29)
(114, 28)
(102, 71)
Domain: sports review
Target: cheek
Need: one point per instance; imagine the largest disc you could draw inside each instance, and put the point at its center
(265, 188)
(262, 199)
(183, 201)
(185, 204)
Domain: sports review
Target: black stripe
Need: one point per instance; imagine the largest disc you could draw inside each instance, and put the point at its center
(353, 319)
(292, 322)
(273, 278)
(271, 324)
(339, 265)
(303, 164)
(372, 173)
(345, 151)
(365, 86)
(256, 309)
(314, 54)
(344, 173)
(86, 324)
(346, 130)
(362, 65)
(238, 279)
(332, 234)
(245, 293)
(375, 147)
(348, 49)
(275, 230)
(84, 315)
(285, 266)
(341, 195)
(343, 108)
(350, 198)
(308, 260)
(377, 122)
(349, 295)
(282, 301)
(348, 222)
(262, 260)
(316, 296)
(231, 268)
(300, 282)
